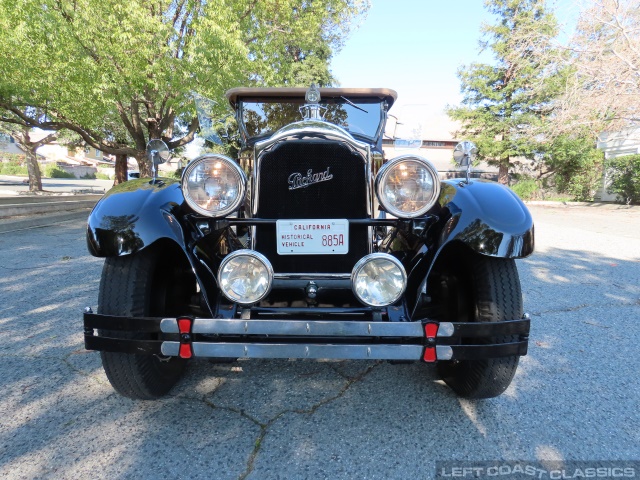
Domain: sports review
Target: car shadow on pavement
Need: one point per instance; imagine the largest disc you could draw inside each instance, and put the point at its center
(304, 418)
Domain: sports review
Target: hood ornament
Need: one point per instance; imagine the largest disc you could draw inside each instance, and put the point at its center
(312, 110)
(313, 95)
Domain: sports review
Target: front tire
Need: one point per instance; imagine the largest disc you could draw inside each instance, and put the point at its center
(486, 289)
(137, 285)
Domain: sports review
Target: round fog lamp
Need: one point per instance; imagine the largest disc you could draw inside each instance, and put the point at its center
(245, 277)
(378, 280)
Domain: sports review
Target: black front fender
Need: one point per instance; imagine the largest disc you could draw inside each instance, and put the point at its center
(487, 217)
(134, 215)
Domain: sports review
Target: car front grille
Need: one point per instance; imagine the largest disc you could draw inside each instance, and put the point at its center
(342, 196)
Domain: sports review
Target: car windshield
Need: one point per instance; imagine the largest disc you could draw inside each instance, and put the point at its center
(361, 117)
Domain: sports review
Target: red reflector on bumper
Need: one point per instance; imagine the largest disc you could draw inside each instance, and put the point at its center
(184, 325)
(185, 350)
(429, 354)
(431, 330)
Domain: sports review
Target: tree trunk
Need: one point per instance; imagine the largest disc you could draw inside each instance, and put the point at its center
(503, 172)
(144, 165)
(121, 169)
(35, 179)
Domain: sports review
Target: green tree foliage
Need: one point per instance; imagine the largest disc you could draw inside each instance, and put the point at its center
(295, 39)
(504, 104)
(576, 165)
(624, 175)
(120, 73)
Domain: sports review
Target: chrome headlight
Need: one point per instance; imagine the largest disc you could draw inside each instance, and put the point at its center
(378, 280)
(245, 276)
(407, 186)
(214, 185)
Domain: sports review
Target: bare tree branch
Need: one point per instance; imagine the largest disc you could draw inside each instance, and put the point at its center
(191, 132)
(604, 91)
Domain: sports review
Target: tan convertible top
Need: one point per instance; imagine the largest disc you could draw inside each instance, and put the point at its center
(241, 93)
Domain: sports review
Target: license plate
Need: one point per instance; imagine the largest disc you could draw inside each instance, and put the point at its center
(312, 237)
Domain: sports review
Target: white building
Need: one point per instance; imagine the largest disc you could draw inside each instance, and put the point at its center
(438, 141)
(616, 144)
(9, 145)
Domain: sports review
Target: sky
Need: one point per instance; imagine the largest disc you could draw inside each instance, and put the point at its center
(416, 46)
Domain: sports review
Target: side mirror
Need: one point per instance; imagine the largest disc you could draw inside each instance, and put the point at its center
(459, 157)
(463, 155)
(157, 153)
(464, 152)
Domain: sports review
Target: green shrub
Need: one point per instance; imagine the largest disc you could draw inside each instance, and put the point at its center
(54, 171)
(177, 174)
(102, 176)
(624, 174)
(577, 165)
(89, 176)
(526, 188)
(13, 167)
(13, 157)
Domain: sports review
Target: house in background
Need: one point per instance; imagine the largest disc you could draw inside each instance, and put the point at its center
(437, 150)
(437, 146)
(616, 144)
(9, 145)
(81, 162)
(51, 152)
(84, 161)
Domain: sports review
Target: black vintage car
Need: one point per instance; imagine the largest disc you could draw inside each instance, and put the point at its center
(311, 245)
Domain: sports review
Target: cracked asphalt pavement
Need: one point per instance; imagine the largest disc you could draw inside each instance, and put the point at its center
(576, 396)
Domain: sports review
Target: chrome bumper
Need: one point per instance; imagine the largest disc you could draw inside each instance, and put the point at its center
(424, 340)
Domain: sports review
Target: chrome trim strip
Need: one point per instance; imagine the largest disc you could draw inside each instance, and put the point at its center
(312, 276)
(445, 329)
(346, 352)
(170, 349)
(322, 328)
(383, 121)
(240, 121)
(444, 352)
(169, 325)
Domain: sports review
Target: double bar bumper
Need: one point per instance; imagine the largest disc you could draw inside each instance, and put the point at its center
(424, 340)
